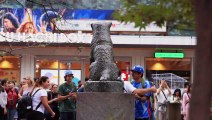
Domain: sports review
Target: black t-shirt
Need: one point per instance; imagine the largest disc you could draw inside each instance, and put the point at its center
(51, 96)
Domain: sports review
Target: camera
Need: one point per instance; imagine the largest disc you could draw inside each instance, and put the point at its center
(11, 102)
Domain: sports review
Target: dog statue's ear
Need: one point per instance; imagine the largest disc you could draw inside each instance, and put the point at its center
(110, 24)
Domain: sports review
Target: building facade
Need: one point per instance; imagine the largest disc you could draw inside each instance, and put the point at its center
(52, 58)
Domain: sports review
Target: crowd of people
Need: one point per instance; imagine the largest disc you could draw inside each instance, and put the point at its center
(58, 102)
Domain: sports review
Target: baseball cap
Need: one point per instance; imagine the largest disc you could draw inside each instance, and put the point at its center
(138, 68)
(68, 72)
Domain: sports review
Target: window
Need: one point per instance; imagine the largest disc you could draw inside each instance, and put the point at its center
(171, 70)
(10, 68)
(55, 69)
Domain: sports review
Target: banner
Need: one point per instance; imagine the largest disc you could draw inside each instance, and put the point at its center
(39, 20)
(22, 20)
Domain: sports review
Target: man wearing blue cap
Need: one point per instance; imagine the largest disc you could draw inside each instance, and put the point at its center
(141, 103)
(67, 97)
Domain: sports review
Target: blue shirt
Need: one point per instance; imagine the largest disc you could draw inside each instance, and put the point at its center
(75, 81)
(141, 108)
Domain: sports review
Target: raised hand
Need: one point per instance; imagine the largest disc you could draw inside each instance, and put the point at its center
(43, 27)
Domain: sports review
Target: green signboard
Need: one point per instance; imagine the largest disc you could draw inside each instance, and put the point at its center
(168, 55)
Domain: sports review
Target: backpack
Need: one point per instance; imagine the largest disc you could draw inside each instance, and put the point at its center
(24, 105)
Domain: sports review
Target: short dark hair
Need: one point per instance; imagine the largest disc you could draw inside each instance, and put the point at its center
(13, 82)
(186, 84)
(3, 82)
(189, 88)
(53, 86)
(43, 79)
(177, 90)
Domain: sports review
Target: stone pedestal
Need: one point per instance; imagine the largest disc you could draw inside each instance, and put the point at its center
(173, 111)
(105, 106)
(104, 86)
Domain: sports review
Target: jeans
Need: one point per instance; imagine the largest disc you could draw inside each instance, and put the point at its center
(11, 113)
(152, 117)
(68, 115)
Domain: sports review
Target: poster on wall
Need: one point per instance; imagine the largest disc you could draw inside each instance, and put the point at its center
(54, 78)
(32, 21)
(51, 74)
(20, 20)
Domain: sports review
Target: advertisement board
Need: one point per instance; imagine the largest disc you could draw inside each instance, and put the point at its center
(22, 20)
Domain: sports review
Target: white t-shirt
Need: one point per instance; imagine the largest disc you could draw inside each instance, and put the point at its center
(3, 99)
(161, 98)
(128, 87)
(37, 99)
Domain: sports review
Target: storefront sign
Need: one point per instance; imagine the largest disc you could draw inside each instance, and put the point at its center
(87, 37)
(168, 55)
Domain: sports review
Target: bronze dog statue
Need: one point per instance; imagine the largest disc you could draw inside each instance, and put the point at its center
(102, 66)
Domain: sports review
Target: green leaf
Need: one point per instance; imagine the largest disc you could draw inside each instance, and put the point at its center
(177, 13)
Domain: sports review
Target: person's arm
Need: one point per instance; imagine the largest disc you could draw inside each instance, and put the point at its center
(169, 90)
(160, 88)
(153, 89)
(20, 93)
(147, 95)
(62, 97)
(141, 98)
(129, 88)
(184, 103)
(144, 91)
(44, 101)
(52, 100)
(72, 95)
